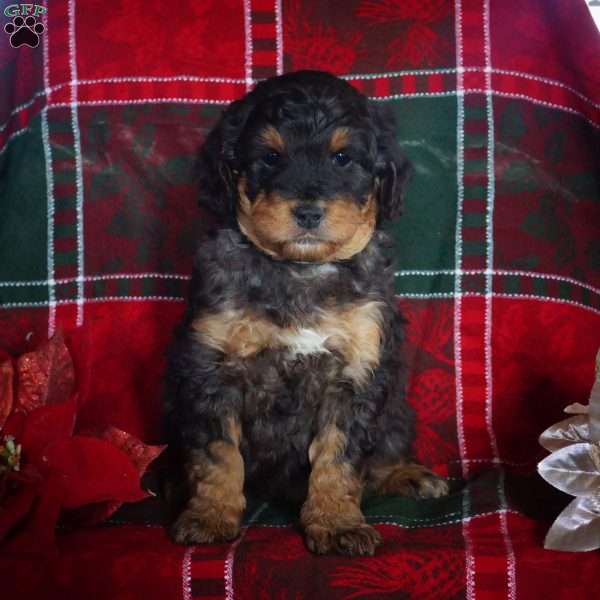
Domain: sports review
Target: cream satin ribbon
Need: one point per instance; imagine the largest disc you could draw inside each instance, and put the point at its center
(574, 468)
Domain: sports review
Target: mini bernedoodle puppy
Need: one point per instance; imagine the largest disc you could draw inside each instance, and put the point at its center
(286, 376)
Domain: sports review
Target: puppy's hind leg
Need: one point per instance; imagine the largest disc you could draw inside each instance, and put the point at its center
(405, 478)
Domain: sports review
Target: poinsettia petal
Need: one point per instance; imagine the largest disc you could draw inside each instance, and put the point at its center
(93, 470)
(570, 431)
(140, 454)
(46, 425)
(6, 391)
(577, 528)
(571, 470)
(45, 376)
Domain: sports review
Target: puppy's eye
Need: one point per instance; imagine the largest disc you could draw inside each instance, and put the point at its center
(341, 159)
(271, 158)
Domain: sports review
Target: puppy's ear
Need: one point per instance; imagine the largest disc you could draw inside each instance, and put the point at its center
(393, 170)
(217, 173)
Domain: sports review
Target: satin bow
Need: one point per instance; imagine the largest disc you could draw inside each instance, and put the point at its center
(574, 468)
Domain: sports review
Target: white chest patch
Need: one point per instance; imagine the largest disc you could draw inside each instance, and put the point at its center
(305, 341)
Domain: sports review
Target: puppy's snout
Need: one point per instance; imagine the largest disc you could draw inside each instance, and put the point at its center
(308, 216)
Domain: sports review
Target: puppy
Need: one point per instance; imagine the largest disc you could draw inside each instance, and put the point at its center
(286, 373)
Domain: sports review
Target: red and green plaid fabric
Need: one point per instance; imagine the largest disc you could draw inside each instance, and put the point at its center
(498, 104)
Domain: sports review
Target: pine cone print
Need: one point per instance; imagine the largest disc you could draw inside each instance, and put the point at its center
(313, 45)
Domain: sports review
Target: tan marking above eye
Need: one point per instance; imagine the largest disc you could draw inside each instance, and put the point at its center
(273, 139)
(340, 138)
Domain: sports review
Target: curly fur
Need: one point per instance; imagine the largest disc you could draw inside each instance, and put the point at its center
(304, 425)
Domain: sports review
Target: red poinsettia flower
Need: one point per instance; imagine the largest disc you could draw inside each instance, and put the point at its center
(44, 465)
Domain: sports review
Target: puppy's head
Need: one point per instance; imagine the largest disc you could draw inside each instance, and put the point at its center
(306, 166)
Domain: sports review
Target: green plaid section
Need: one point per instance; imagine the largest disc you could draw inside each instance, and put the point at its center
(150, 286)
(505, 284)
(144, 286)
(133, 251)
(475, 200)
(65, 219)
(424, 283)
(141, 211)
(24, 222)
(551, 286)
(547, 215)
(543, 193)
(23, 294)
(405, 512)
(425, 233)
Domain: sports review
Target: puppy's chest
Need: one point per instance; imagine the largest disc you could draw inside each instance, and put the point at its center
(353, 331)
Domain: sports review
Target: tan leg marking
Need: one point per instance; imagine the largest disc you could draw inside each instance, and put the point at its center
(409, 479)
(216, 482)
(331, 515)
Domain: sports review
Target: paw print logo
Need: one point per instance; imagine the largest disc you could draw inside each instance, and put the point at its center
(24, 32)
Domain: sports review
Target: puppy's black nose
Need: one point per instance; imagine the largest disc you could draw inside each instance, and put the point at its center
(308, 216)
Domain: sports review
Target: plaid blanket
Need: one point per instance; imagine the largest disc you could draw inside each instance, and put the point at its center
(498, 106)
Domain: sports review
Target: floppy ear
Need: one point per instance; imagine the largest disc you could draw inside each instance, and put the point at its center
(393, 170)
(217, 162)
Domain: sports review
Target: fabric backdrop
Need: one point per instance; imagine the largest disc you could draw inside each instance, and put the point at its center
(498, 104)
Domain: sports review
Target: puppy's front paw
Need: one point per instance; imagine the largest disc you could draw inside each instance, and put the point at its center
(205, 527)
(361, 540)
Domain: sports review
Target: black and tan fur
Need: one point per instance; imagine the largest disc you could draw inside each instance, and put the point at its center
(286, 375)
